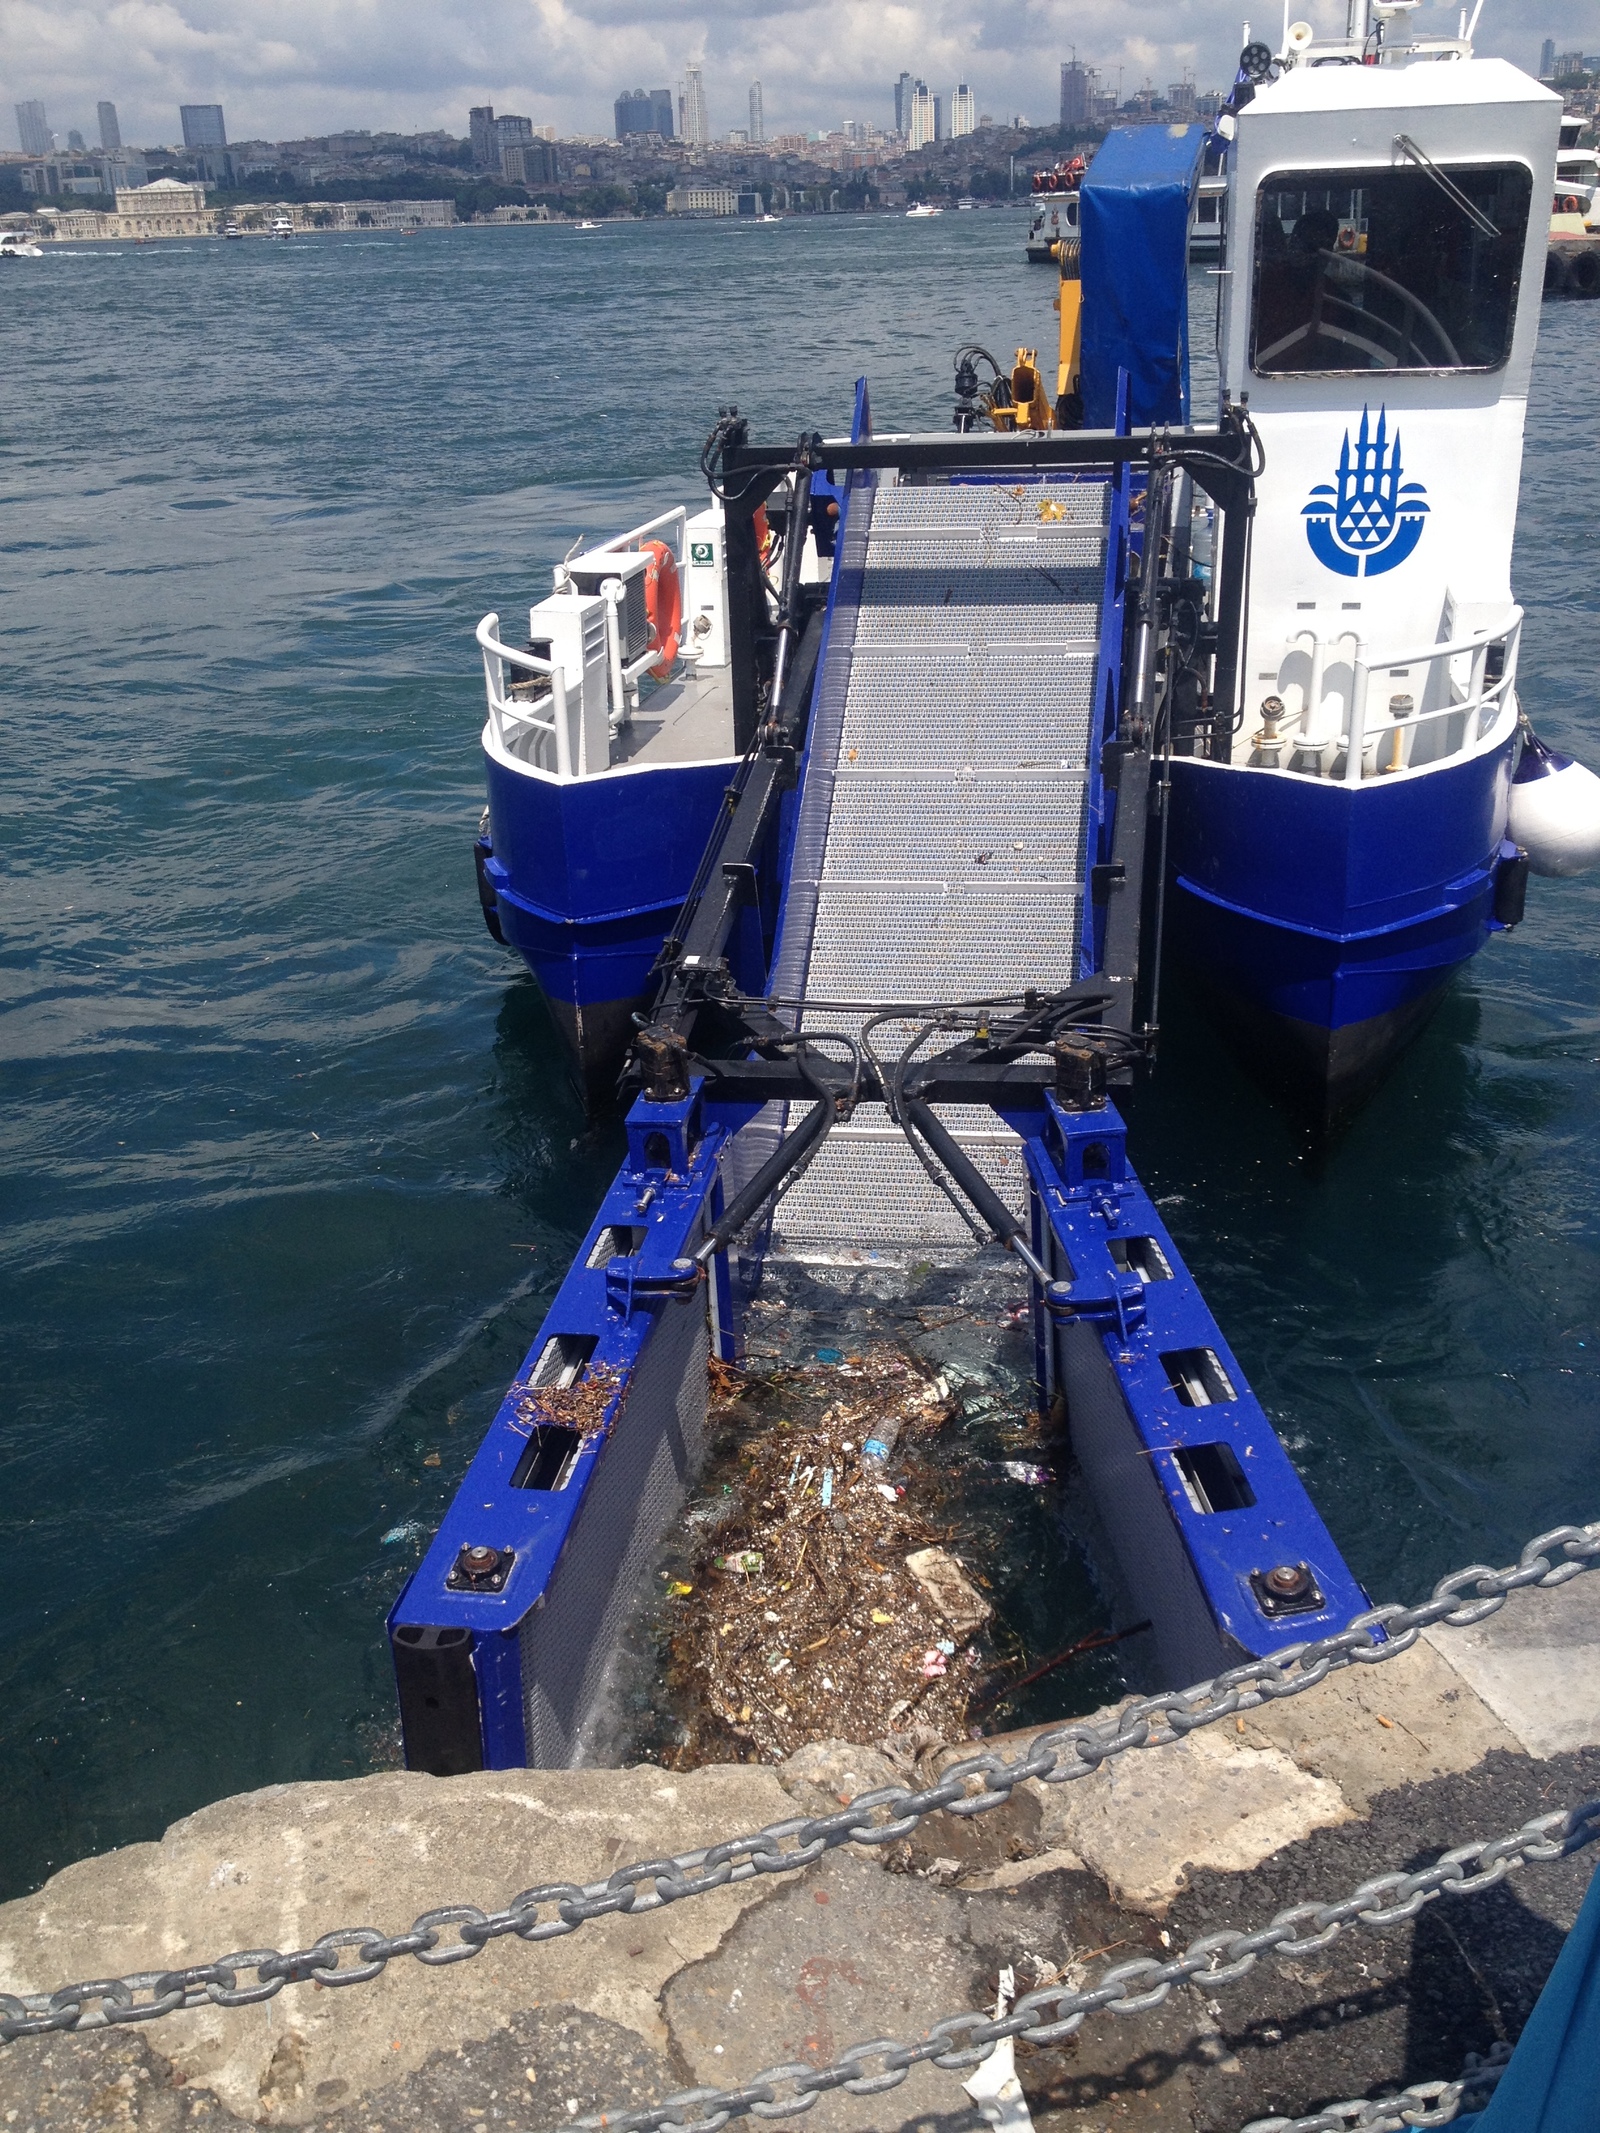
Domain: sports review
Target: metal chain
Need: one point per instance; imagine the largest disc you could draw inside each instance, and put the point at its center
(1425, 2103)
(1044, 2017)
(457, 1932)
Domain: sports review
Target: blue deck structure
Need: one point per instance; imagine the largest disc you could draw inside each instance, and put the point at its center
(503, 1637)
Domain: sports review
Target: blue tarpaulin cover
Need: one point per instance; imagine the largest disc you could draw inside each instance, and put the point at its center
(1553, 2082)
(1134, 221)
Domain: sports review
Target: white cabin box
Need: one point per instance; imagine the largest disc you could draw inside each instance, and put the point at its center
(1381, 290)
(569, 629)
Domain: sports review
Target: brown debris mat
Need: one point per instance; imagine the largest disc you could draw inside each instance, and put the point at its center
(582, 1407)
(798, 1619)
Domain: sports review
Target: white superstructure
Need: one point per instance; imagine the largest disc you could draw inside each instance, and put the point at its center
(1386, 233)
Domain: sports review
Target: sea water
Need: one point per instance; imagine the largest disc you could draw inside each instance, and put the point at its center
(290, 1164)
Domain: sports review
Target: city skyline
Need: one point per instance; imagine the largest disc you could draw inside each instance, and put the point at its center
(286, 76)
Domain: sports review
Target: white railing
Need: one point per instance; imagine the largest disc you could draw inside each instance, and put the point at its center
(678, 518)
(1454, 675)
(509, 718)
(623, 681)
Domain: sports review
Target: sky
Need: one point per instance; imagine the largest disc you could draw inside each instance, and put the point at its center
(301, 67)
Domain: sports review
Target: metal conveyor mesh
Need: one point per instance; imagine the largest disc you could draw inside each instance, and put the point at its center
(940, 854)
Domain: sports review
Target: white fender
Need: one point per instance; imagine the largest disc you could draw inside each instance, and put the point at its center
(1555, 811)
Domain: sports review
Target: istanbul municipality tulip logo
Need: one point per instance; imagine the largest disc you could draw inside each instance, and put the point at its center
(1370, 519)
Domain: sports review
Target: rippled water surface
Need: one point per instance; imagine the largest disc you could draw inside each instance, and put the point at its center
(290, 1165)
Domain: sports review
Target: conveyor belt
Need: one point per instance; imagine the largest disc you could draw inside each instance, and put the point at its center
(940, 850)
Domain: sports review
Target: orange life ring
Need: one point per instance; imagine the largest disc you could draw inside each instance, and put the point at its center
(763, 533)
(663, 604)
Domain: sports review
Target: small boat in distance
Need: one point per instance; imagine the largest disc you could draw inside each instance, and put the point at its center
(586, 225)
(14, 245)
(922, 212)
(282, 226)
(233, 230)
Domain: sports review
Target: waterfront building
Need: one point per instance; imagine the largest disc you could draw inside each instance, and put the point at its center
(202, 126)
(110, 131)
(758, 126)
(702, 200)
(696, 125)
(1077, 92)
(33, 132)
(168, 208)
(485, 148)
(963, 112)
(1547, 60)
(644, 111)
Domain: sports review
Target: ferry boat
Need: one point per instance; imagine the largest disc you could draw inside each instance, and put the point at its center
(976, 730)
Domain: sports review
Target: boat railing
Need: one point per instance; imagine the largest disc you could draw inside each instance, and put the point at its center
(510, 718)
(1465, 679)
(623, 678)
(679, 519)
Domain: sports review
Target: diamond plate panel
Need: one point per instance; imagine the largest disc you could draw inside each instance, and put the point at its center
(951, 866)
(924, 943)
(866, 1187)
(888, 827)
(1011, 705)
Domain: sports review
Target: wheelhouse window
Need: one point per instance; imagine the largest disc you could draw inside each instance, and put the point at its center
(1403, 268)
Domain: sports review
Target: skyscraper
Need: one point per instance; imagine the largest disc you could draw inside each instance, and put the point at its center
(758, 124)
(1077, 88)
(110, 131)
(202, 126)
(963, 112)
(902, 105)
(644, 111)
(921, 116)
(696, 127)
(1547, 61)
(32, 132)
(485, 148)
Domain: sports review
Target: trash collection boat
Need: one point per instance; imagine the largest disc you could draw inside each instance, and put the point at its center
(970, 737)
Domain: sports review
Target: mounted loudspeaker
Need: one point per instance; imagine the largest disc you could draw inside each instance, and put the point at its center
(1300, 35)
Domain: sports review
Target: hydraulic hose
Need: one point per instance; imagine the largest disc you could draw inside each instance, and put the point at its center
(1005, 1227)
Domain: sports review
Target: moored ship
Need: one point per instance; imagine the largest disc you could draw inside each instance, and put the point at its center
(984, 728)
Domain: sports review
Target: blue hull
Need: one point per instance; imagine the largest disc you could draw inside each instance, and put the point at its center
(1327, 918)
(584, 879)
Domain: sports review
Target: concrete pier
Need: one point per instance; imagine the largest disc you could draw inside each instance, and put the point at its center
(1465, 1737)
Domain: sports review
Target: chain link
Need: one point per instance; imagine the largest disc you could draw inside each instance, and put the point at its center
(1056, 1756)
(1426, 2103)
(1131, 1988)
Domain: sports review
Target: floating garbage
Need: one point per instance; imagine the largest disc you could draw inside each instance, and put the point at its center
(823, 1604)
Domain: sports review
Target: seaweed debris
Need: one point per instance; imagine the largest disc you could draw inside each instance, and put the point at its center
(819, 1602)
(585, 1406)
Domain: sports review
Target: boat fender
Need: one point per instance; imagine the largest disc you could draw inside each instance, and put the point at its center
(663, 605)
(1583, 274)
(1555, 810)
(1555, 274)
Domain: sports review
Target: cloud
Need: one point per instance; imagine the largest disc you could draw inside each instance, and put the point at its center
(302, 66)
